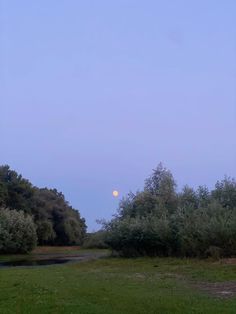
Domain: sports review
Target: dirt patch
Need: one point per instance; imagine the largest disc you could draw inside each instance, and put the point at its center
(140, 276)
(223, 290)
(228, 261)
(218, 289)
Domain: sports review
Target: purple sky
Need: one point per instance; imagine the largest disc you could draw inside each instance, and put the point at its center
(94, 94)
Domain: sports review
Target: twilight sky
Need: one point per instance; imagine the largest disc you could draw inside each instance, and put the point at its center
(94, 94)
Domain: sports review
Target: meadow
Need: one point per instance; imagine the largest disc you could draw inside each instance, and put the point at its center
(102, 284)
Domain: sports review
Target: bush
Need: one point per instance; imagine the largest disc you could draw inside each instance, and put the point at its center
(159, 221)
(204, 228)
(17, 232)
(214, 252)
(95, 240)
(140, 236)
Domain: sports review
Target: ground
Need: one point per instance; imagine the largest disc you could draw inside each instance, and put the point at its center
(97, 283)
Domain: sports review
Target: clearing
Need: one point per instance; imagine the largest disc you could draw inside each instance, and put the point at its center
(92, 282)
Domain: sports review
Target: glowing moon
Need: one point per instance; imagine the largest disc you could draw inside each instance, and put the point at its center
(115, 193)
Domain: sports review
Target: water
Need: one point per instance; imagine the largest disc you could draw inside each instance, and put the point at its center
(39, 262)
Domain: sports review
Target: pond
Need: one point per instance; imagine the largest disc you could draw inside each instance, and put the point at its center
(50, 259)
(35, 262)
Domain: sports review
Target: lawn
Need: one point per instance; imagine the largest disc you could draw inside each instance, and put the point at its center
(117, 285)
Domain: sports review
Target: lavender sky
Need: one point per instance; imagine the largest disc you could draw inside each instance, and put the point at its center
(94, 94)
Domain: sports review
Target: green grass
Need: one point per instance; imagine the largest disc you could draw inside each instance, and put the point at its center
(115, 286)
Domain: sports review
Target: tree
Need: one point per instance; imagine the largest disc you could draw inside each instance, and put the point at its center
(162, 184)
(17, 192)
(139, 204)
(225, 192)
(203, 196)
(68, 227)
(159, 221)
(57, 222)
(188, 198)
(17, 232)
(45, 232)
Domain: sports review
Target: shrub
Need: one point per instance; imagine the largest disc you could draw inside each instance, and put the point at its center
(214, 252)
(95, 240)
(17, 232)
(159, 221)
(140, 236)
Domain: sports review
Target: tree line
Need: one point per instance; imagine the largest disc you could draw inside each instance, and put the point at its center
(159, 221)
(54, 221)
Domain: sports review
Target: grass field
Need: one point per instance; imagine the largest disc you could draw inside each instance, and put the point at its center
(117, 285)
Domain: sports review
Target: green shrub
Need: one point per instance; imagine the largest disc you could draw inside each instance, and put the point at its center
(17, 232)
(140, 236)
(214, 252)
(95, 240)
(159, 221)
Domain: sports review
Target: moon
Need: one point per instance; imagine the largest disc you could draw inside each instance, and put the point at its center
(115, 193)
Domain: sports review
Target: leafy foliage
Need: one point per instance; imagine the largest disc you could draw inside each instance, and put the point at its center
(56, 221)
(95, 240)
(17, 232)
(159, 221)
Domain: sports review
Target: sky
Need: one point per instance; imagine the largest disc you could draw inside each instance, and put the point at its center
(94, 94)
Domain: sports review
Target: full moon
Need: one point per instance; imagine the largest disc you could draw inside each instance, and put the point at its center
(115, 193)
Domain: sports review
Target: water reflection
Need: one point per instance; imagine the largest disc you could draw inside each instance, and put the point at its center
(39, 262)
